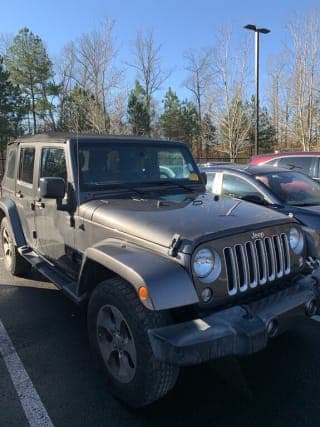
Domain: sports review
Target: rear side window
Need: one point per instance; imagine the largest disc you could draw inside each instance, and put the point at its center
(26, 164)
(11, 164)
(299, 164)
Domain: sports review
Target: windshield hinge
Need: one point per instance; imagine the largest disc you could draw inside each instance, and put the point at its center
(175, 242)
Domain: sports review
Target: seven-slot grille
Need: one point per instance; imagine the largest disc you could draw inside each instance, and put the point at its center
(256, 262)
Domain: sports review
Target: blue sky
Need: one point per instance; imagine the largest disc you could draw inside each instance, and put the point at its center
(177, 24)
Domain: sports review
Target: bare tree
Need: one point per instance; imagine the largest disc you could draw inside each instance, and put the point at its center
(199, 80)
(305, 34)
(279, 94)
(89, 64)
(147, 62)
(229, 94)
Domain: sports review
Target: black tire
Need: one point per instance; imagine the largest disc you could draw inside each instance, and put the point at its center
(13, 261)
(118, 326)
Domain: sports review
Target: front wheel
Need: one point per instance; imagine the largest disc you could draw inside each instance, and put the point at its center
(118, 326)
(14, 263)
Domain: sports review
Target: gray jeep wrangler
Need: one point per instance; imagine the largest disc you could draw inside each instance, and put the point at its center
(173, 276)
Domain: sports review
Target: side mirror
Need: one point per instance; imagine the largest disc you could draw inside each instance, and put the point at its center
(52, 188)
(204, 178)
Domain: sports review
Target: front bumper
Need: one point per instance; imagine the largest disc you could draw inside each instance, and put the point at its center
(239, 330)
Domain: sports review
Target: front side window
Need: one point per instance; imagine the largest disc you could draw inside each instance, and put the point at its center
(26, 164)
(235, 186)
(53, 163)
(210, 179)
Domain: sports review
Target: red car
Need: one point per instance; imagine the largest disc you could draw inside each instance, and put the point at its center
(302, 161)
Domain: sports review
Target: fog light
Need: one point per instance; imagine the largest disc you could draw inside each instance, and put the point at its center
(272, 328)
(311, 307)
(206, 294)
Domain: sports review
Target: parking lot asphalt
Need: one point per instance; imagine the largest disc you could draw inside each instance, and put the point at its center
(279, 386)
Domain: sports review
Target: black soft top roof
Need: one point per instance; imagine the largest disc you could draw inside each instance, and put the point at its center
(62, 137)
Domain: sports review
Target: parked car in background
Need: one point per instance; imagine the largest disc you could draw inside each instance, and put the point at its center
(306, 162)
(287, 191)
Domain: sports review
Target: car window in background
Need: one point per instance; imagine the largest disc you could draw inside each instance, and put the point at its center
(235, 186)
(273, 162)
(210, 179)
(292, 188)
(303, 164)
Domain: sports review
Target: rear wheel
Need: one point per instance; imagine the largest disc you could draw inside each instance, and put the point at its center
(118, 326)
(14, 263)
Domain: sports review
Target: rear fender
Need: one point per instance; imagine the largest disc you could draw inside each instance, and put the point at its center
(168, 283)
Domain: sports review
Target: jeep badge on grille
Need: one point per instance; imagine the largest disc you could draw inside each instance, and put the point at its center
(257, 235)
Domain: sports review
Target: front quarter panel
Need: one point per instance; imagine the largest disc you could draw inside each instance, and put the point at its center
(168, 283)
(9, 209)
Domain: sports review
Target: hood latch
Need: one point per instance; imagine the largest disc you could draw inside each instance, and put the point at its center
(175, 242)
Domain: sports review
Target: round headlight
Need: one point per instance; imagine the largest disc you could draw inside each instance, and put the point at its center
(296, 240)
(203, 263)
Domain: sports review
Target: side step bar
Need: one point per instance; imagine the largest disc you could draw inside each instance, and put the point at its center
(48, 270)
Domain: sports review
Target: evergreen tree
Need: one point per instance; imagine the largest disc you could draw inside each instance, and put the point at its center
(209, 134)
(179, 119)
(138, 115)
(31, 68)
(267, 133)
(170, 120)
(11, 107)
(189, 122)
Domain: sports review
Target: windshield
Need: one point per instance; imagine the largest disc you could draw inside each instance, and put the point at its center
(292, 188)
(102, 165)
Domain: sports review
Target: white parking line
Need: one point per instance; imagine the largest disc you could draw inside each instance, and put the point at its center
(316, 318)
(34, 410)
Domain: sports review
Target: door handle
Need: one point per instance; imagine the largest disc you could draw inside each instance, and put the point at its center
(19, 194)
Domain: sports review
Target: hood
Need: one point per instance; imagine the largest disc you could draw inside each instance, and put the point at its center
(192, 218)
(307, 215)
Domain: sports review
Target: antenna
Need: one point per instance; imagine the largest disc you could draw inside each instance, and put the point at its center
(78, 164)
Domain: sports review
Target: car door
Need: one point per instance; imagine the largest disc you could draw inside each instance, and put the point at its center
(55, 229)
(25, 191)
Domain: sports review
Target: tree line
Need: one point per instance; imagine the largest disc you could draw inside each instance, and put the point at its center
(84, 91)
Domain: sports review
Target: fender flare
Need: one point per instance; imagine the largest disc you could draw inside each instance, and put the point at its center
(9, 208)
(168, 283)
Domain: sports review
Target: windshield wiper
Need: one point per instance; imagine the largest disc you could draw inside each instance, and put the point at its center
(116, 186)
(304, 204)
(172, 182)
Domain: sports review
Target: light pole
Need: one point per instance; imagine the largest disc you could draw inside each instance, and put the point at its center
(257, 32)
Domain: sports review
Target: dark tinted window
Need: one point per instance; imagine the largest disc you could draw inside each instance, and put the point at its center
(11, 164)
(53, 163)
(301, 164)
(26, 164)
(102, 165)
(292, 188)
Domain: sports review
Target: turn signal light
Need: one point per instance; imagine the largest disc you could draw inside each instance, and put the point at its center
(143, 293)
